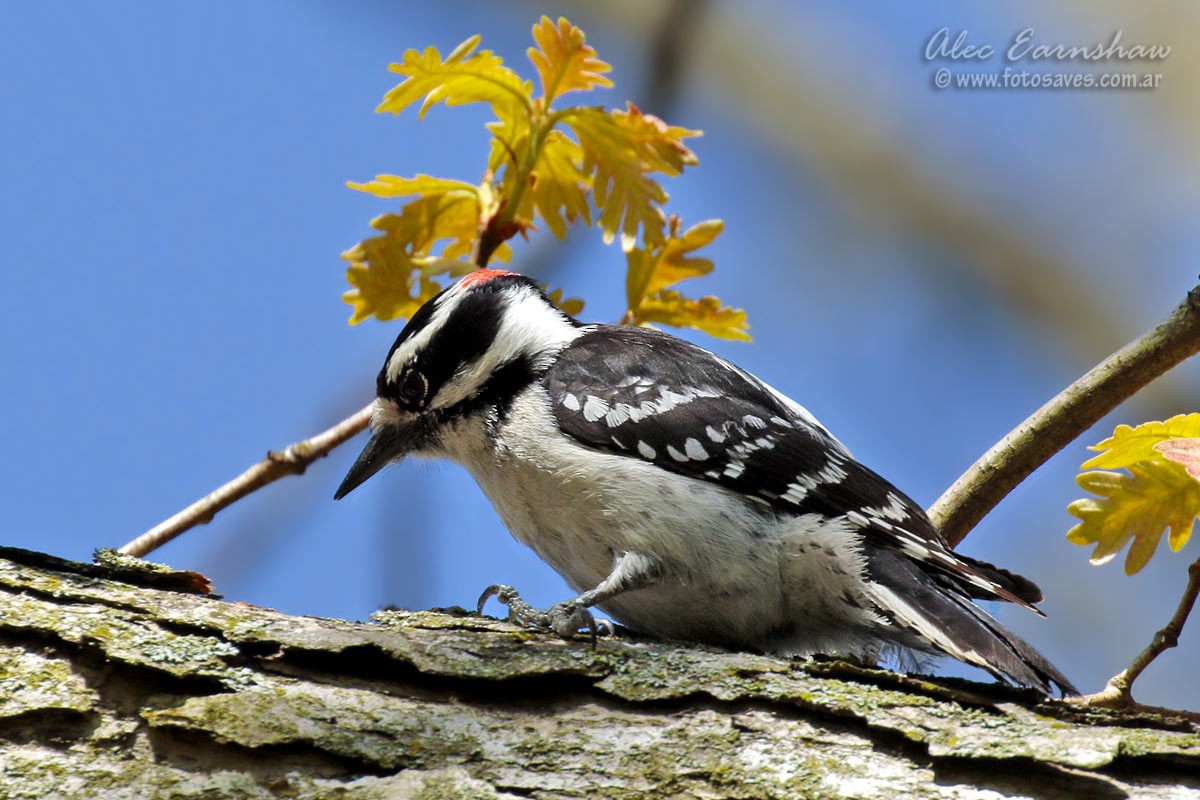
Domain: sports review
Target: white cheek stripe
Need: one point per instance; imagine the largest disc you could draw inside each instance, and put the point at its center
(405, 352)
(528, 325)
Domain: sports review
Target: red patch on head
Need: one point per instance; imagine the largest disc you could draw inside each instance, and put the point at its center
(482, 276)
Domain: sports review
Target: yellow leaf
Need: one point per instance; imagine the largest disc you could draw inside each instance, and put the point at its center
(384, 289)
(390, 273)
(626, 196)
(669, 307)
(1130, 445)
(559, 190)
(396, 186)
(464, 77)
(563, 61)
(440, 265)
(652, 269)
(628, 201)
(659, 145)
(571, 306)
(1138, 507)
(509, 137)
(620, 149)
(430, 219)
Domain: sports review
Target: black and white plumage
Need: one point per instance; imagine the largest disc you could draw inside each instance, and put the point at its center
(677, 492)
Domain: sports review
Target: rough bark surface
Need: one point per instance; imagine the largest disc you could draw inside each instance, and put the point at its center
(117, 681)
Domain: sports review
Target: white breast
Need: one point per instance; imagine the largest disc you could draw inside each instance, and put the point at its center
(736, 572)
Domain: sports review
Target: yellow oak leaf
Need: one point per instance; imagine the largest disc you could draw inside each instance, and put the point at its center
(384, 288)
(1129, 445)
(463, 77)
(396, 186)
(433, 266)
(391, 273)
(669, 307)
(628, 200)
(660, 145)
(429, 219)
(652, 269)
(570, 305)
(510, 135)
(1137, 508)
(620, 149)
(564, 62)
(560, 187)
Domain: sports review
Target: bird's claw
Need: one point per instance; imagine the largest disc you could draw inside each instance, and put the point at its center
(565, 619)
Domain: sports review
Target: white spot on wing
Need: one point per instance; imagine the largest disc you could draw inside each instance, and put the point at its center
(594, 408)
(858, 519)
(895, 509)
(795, 493)
(695, 450)
(714, 434)
(618, 415)
(646, 450)
(675, 454)
(666, 401)
(570, 401)
(832, 473)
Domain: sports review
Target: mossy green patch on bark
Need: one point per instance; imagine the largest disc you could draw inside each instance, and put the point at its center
(113, 689)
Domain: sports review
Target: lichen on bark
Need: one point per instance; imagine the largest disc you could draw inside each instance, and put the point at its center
(110, 688)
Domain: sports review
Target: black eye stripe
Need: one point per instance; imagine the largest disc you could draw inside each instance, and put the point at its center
(461, 340)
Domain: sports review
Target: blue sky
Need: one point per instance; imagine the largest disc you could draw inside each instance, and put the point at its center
(174, 207)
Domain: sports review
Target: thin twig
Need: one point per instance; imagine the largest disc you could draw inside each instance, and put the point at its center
(295, 458)
(1118, 692)
(291, 460)
(1060, 421)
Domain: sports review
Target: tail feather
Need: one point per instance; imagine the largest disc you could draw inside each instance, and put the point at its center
(940, 617)
(1019, 585)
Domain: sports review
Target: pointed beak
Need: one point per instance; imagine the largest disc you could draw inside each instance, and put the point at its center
(387, 444)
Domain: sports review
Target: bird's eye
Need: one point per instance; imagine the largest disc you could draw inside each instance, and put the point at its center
(413, 388)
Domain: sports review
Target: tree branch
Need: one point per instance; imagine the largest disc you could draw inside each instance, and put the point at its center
(115, 689)
(291, 460)
(1118, 692)
(1060, 421)
(295, 458)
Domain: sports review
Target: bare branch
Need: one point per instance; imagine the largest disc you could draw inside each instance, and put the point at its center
(1060, 421)
(291, 460)
(295, 458)
(1118, 692)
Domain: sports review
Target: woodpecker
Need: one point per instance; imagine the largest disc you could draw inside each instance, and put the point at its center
(678, 493)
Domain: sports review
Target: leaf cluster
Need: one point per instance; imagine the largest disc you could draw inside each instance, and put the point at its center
(1160, 491)
(548, 165)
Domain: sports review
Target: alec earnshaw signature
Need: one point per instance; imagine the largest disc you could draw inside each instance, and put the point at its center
(1025, 47)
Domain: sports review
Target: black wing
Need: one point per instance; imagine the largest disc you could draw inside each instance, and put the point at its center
(644, 394)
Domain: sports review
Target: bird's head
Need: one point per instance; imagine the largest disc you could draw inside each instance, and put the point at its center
(464, 354)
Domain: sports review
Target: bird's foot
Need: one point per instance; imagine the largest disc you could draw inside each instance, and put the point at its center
(565, 619)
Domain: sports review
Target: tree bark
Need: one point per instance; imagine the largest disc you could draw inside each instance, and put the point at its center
(118, 680)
